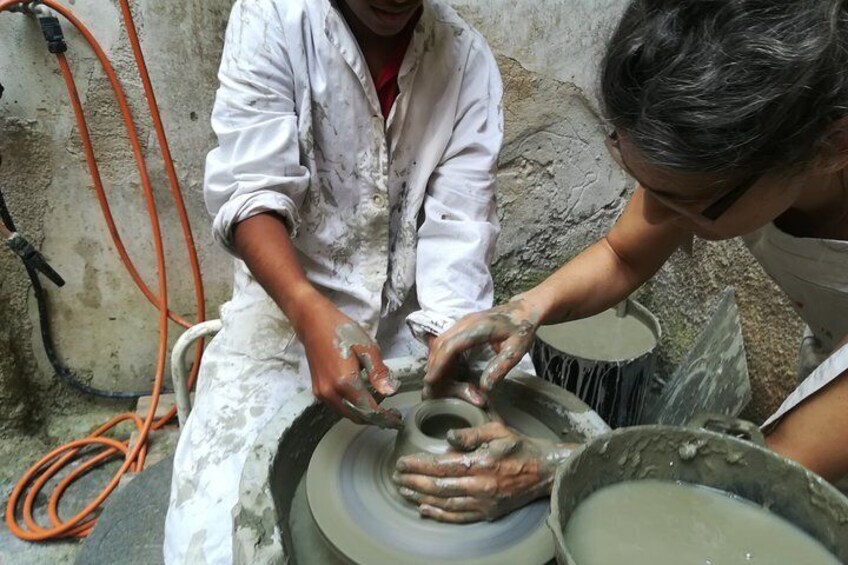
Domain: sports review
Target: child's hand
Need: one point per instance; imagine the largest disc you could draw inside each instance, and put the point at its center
(338, 349)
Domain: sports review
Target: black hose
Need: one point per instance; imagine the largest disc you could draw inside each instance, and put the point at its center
(63, 372)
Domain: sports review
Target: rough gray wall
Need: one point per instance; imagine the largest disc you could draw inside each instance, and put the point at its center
(559, 190)
(105, 329)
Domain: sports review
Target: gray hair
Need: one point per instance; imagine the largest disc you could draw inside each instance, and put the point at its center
(728, 86)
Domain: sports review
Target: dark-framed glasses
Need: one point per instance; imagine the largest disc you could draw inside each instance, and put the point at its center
(712, 212)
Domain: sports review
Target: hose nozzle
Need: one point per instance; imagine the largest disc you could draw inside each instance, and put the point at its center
(32, 257)
(51, 29)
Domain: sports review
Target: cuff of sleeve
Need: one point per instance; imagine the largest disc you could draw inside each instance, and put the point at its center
(244, 206)
(423, 323)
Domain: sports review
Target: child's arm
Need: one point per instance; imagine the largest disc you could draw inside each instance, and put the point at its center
(337, 349)
(255, 186)
(256, 166)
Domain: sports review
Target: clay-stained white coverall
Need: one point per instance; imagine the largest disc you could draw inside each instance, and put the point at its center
(394, 220)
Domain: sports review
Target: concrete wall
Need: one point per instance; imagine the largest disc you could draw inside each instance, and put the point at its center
(105, 329)
(559, 191)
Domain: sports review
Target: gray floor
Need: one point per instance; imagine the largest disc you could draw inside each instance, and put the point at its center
(129, 531)
(16, 552)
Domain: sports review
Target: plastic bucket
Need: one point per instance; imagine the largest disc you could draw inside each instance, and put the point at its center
(612, 373)
(706, 458)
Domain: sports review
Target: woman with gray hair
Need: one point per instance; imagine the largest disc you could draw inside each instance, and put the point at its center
(731, 115)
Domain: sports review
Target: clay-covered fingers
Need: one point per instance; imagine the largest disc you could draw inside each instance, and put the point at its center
(469, 439)
(508, 329)
(389, 419)
(454, 389)
(450, 504)
(470, 331)
(350, 395)
(456, 385)
(447, 465)
(484, 460)
(476, 486)
(358, 402)
(334, 393)
(371, 359)
(427, 511)
(509, 354)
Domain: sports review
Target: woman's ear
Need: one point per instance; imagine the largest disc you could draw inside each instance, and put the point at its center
(833, 149)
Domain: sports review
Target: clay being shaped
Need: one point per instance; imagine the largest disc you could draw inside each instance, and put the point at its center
(360, 514)
(426, 426)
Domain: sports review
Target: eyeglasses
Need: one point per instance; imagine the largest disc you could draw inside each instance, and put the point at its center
(712, 212)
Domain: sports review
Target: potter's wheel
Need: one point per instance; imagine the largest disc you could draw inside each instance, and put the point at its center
(362, 519)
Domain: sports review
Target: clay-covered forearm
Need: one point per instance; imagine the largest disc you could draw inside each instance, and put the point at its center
(264, 244)
(815, 434)
(337, 348)
(611, 269)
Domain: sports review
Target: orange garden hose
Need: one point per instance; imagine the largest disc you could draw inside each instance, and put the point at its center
(105, 448)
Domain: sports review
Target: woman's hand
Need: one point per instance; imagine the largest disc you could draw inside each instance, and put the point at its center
(337, 350)
(459, 382)
(508, 329)
(494, 471)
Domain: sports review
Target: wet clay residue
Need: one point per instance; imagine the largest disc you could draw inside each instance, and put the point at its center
(708, 459)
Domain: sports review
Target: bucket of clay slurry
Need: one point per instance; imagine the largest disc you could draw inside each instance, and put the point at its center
(667, 486)
(606, 360)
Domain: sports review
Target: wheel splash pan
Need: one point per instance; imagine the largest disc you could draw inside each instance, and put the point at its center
(281, 454)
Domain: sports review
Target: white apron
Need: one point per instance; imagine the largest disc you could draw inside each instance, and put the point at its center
(814, 275)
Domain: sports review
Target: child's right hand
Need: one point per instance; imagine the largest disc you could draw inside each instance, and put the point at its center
(337, 350)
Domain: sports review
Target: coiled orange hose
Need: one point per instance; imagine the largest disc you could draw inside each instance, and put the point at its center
(134, 455)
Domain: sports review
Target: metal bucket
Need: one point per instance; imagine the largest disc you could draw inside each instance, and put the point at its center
(706, 458)
(615, 388)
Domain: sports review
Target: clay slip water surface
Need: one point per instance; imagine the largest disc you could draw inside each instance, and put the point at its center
(667, 523)
(605, 337)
